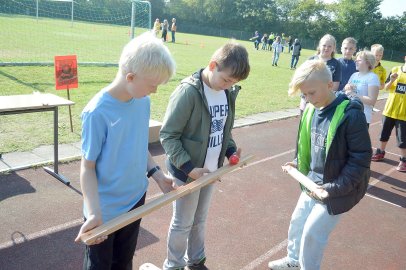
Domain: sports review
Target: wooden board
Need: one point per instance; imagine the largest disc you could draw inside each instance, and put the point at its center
(134, 215)
(149, 266)
(301, 178)
(33, 101)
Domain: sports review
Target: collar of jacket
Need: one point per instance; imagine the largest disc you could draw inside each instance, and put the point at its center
(197, 82)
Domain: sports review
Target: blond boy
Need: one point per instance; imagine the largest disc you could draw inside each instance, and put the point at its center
(333, 150)
(115, 153)
(379, 70)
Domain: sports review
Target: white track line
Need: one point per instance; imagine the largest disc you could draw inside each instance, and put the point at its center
(32, 236)
(379, 179)
(379, 199)
(264, 257)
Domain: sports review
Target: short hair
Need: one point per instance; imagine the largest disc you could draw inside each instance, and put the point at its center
(327, 37)
(234, 57)
(350, 40)
(369, 57)
(147, 54)
(309, 70)
(377, 47)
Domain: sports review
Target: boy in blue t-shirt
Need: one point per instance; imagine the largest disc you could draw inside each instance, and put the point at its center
(348, 48)
(115, 150)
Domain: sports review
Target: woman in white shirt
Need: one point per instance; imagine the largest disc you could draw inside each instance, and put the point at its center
(364, 83)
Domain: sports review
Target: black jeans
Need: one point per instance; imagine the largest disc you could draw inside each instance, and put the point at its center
(117, 251)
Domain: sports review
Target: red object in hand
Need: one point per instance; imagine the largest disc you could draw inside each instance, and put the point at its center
(234, 159)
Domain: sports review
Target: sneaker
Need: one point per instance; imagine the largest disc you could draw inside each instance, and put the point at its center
(378, 156)
(402, 165)
(198, 266)
(282, 264)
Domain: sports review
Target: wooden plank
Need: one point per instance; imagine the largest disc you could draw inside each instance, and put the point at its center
(149, 266)
(134, 215)
(301, 178)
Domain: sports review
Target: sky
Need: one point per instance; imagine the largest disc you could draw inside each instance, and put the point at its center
(392, 7)
(388, 7)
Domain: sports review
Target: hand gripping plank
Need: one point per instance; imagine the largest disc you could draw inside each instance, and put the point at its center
(134, 215)
(301, 178)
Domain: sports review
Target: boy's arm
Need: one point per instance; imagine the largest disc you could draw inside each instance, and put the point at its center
(370, 99)
(164, 182)
(177, 115)
(88, 183)
(391, 79)
(359, 157)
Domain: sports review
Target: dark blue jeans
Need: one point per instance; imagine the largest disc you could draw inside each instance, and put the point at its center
(295, 59)
(173, 36)
(117, 251)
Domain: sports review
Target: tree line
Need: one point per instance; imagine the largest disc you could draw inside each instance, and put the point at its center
(308, 19)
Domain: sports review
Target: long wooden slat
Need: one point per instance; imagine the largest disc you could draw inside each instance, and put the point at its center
(301, 178)
(132, 216)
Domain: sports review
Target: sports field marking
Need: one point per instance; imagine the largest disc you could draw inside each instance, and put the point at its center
(379, 179)
(267, 158)
(379, 199)
(32, 236)
(264, 257)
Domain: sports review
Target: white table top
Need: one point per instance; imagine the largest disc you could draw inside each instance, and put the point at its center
(32, 101)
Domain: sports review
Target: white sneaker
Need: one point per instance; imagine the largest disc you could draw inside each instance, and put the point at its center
(282, 264)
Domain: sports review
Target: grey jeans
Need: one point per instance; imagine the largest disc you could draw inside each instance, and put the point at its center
(187, 229)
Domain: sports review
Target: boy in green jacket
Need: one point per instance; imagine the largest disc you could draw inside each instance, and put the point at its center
(196, 136)
(334, 151)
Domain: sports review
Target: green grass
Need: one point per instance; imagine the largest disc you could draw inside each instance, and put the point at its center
(25, 39)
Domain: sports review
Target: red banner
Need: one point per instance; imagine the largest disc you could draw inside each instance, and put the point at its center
(66, 72)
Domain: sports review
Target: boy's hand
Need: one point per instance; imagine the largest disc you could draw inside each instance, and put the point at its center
(196, 173)
(235, 158)
(166, 182)
(91, 223)
(320, 193)
(393, 77)
(290, 163)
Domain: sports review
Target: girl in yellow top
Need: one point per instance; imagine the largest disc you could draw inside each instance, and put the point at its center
(394, 115)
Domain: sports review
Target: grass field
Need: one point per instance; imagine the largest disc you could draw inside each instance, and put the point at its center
(25, 39)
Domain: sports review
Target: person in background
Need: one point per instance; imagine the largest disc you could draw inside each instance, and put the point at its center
(277, 49)
(165, 28)
(364, 83)
(377, 50)
(326, 51)
(174, 28)
(348, 48)
(296, 48)
(394, 115)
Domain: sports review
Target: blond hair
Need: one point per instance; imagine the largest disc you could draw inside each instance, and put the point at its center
(309, 70)
(147, 54)
(233, 57)
(377, 48)
(369, 57)
(328, 37)
(350, 40)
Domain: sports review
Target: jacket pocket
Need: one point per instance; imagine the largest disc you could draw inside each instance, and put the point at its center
(193, 148)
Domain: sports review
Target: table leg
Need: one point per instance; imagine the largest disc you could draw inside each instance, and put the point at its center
(54, 172)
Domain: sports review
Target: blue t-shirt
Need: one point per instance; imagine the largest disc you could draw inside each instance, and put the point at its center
(347, 69)
(115, 136)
